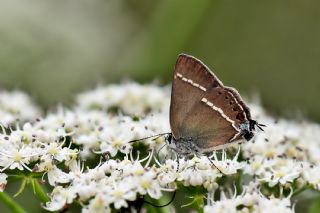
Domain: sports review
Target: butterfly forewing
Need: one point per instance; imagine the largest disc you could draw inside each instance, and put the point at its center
(191, 79)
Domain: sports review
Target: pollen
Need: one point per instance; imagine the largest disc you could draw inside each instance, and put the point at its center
(118, 193)
(270, 153)
(53, 149)
(292, 152)
(256, 165)
(25, 139)
(117, 144)
(17, 156)
(145, 184)
(159, 140)
(139, 172)
(99, 203)
(280, 174)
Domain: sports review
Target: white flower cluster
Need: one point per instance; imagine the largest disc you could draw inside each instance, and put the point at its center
(131, 98)
(99, 128)
(287, 151)
(116, 182)
(32, 146)
(16, 106)
(112, 182)
(101, 132)
(204, 167)
(250, 200)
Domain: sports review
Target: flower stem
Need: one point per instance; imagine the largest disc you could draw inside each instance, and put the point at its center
(21, 188)
(10, 203)
(199, 203)
(299, 191)
(39, 191)
(161, 201)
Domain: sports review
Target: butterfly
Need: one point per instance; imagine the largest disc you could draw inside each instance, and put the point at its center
(205, 115)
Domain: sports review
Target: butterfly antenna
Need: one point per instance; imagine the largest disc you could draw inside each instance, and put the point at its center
(260, 126)
(140, 139)
(161, 206)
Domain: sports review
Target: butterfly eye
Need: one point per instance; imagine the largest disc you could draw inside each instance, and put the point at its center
(168, 138)
(248, 135)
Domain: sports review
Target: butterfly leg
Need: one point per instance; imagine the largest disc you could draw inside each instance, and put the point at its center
(178, 164)
(214, 165)
(158, 153)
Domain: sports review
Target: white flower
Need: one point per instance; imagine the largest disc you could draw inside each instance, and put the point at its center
(167, 172)
(251, 200)
(197, 172)
(16, 106)
(55, 175)
(60, 197)
(118, 141)
(311, 174)
(120, 193)
(97, 205)
(19, 158)
(257, 165)
(148, 183)
(223, 205)
(274, 205)
(225, 165)
(282, 171)
(56, 151)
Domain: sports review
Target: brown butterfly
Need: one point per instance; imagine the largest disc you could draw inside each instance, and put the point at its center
(205, 115)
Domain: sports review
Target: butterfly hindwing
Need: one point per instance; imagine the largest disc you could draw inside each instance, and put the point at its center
(226, 100)
(207, 127)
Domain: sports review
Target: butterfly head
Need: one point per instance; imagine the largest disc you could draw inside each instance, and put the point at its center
(248, 128)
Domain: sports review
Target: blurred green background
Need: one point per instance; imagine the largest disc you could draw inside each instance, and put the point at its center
(54, 49)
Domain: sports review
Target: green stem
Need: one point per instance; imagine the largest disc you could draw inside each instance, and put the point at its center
(39, 191)
(238, 182)
(299, 191)
(199, 203)
(10, 203)
(22, 186)
(163, 200)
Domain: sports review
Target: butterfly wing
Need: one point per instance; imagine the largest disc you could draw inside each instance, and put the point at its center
(202, 109)
(208, 126)
(241, 107)
(191, 79)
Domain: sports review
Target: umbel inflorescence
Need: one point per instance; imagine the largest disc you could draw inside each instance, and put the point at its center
(84, 155)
